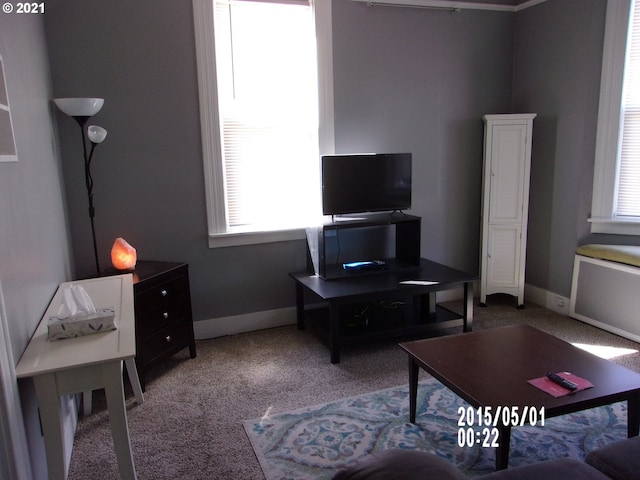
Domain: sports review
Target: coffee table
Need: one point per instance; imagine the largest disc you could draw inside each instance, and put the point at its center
(489, 369)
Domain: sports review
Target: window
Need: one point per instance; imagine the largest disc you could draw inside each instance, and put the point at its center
(628, 192)
(616, 188)
(264, 71)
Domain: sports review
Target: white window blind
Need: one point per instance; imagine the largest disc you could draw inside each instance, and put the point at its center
(628, 186)
(268, 108)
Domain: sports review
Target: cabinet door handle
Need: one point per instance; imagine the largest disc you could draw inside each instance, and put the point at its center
(163, 292)
(168, 338)
(165, 315)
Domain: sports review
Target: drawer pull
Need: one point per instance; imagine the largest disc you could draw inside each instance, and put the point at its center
(163, 292)
(168, 338)
(165, 315)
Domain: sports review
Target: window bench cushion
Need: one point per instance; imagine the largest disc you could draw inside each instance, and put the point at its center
(627, 254)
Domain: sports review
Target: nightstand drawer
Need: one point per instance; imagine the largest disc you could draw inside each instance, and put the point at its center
(163, 315)
(161, 293)
(166, 340)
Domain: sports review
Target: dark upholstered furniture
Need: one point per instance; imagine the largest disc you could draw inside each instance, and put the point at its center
(618, 461)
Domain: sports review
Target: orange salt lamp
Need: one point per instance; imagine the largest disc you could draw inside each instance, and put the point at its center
(123, 255)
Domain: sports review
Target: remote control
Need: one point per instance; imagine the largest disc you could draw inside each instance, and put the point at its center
(563, 382)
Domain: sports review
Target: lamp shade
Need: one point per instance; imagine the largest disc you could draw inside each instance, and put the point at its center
(123, 255)
(96, 134)
(79, 107)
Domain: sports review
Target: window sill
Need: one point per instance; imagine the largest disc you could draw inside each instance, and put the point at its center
(239, 237)
(615, 226)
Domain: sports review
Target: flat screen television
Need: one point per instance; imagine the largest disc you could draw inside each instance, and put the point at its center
(360, 183)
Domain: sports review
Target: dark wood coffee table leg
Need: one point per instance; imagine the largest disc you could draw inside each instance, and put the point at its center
(334, 332)
(468, 307)
(502, 452)
(413, 389)
(300, 306)
(633, 416)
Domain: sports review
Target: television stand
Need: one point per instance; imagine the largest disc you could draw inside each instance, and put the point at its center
(407, 244)
(422, 317)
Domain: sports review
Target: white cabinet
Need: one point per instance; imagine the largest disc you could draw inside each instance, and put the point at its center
(505, 204)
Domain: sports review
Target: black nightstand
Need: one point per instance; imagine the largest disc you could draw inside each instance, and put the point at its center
(164, 323)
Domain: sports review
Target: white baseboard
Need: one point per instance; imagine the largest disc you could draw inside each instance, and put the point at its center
(447, 295)
(250, 322)
(552, 301)
(247, 322)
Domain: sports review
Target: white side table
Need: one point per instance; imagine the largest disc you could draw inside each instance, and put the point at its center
(74, 365)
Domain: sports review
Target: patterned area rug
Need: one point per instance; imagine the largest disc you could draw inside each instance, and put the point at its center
(314, 442)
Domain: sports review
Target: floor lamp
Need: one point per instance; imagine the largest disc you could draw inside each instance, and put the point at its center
(82, 109)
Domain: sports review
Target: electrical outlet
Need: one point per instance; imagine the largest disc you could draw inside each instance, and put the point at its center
(560, 303)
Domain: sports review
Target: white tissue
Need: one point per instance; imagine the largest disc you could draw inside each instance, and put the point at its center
(75, 300)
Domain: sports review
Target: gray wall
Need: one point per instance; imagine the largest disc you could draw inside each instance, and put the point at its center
(34, 245)
(405, 80)
(557, 74)
(420, 80)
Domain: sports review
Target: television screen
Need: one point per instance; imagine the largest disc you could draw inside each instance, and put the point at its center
(366, 183)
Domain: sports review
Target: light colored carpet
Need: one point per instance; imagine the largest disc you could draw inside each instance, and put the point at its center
(190, 425)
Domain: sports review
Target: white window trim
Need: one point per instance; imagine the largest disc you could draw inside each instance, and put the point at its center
(609, 116)
(219, 235)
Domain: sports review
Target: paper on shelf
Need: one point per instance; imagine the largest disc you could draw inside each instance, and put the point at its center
(418, 282)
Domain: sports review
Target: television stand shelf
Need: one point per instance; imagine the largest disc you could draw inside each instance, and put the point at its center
(420, 317)
(407, 244)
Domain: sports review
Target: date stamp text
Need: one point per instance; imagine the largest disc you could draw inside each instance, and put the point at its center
(481, 426)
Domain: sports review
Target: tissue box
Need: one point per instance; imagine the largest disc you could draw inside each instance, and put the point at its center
(82, 324)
